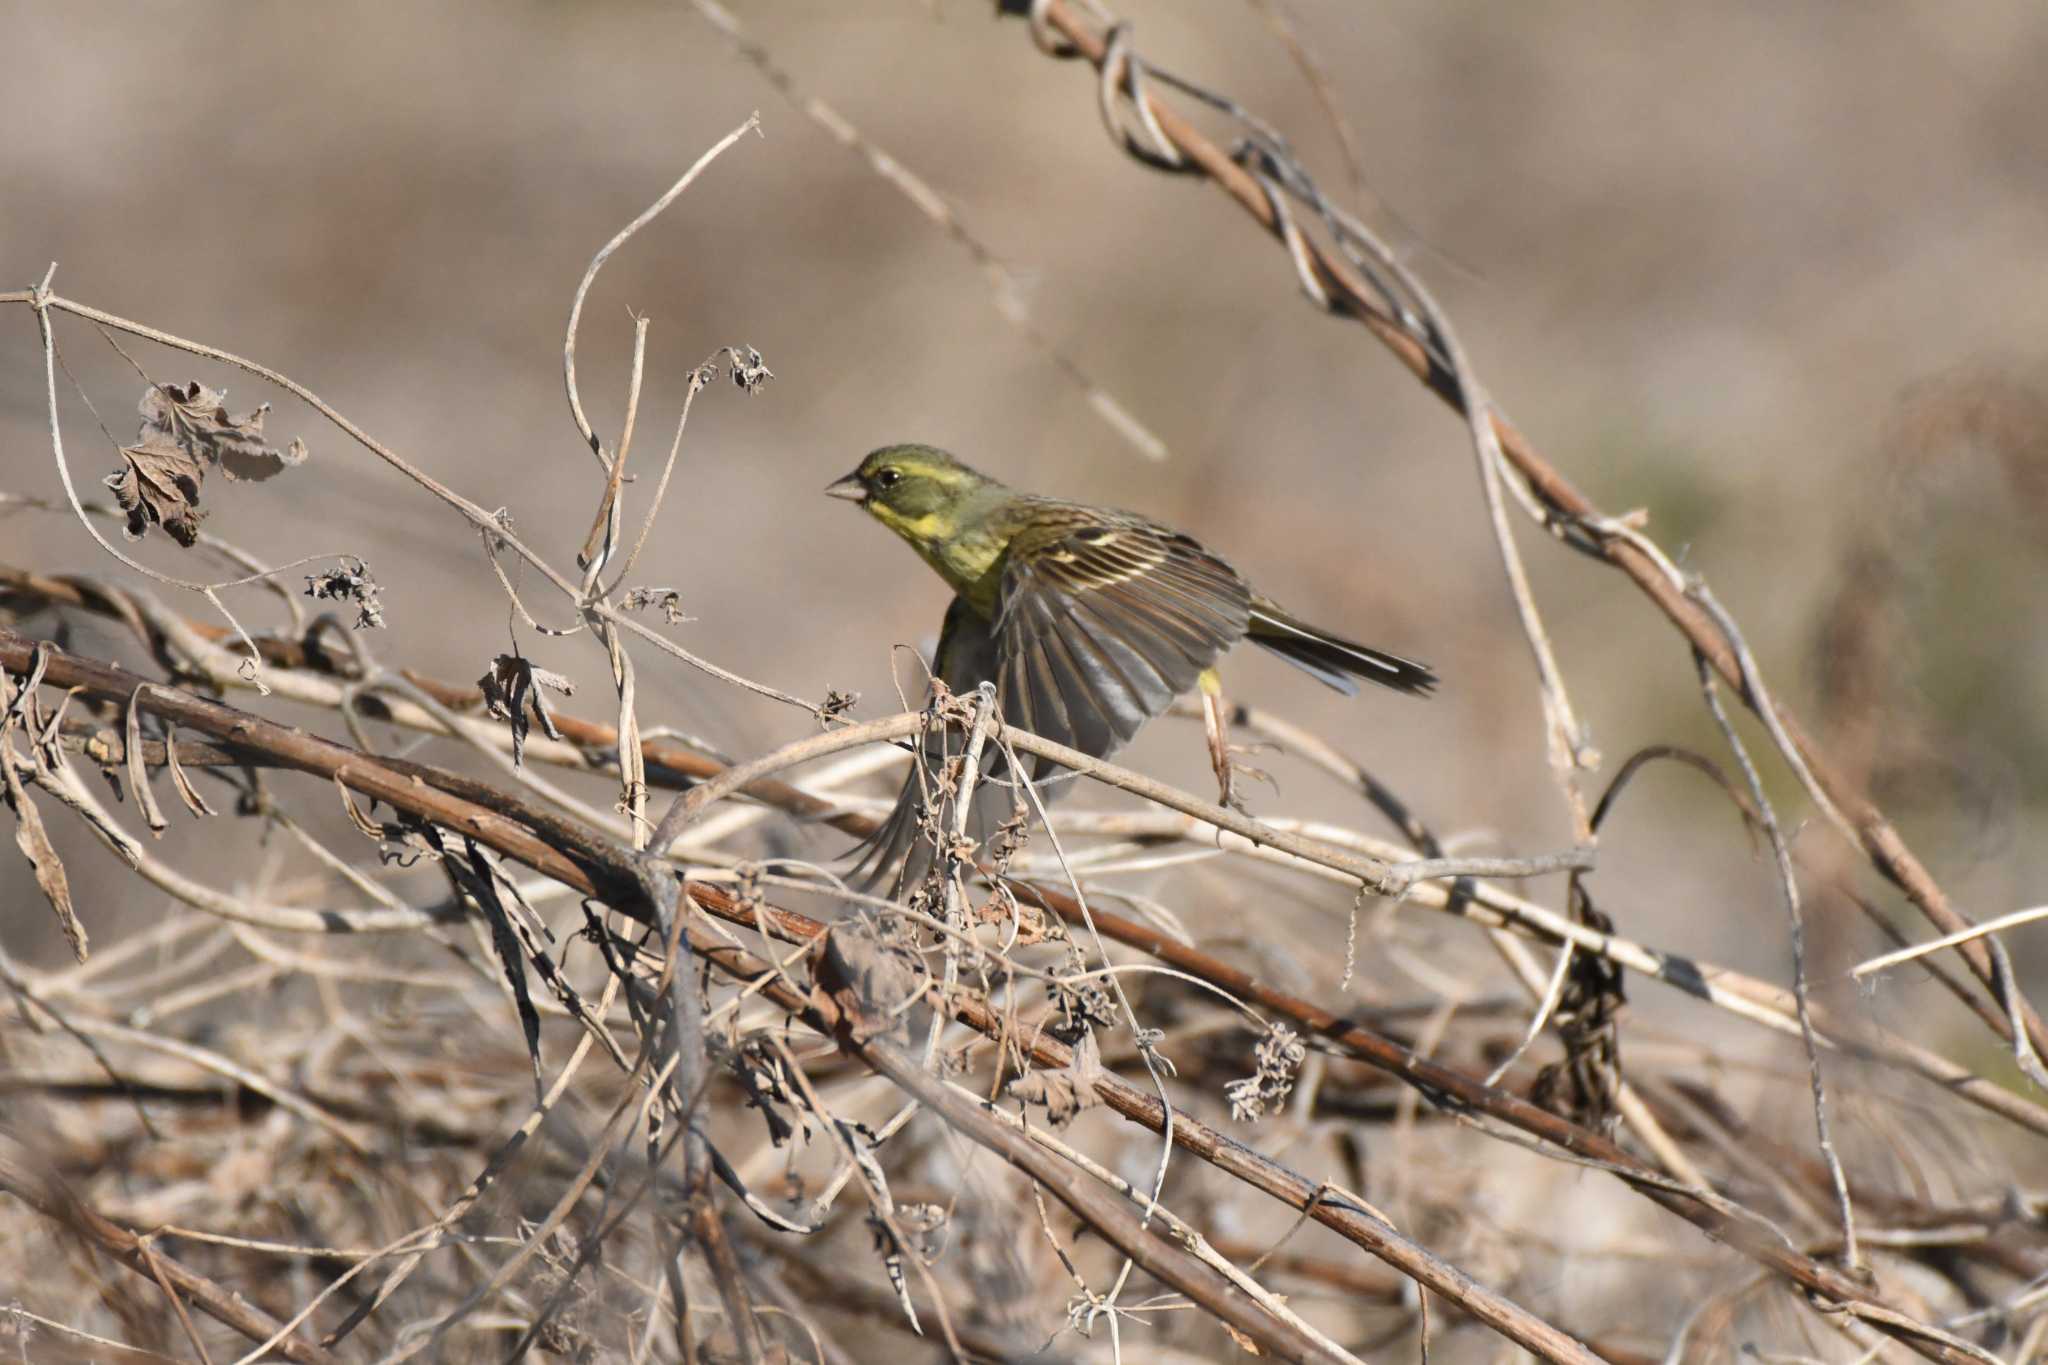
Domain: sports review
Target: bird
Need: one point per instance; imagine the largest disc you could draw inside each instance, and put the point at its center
(1089, 621)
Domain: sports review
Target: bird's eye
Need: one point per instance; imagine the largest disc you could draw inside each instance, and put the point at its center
(887, 478)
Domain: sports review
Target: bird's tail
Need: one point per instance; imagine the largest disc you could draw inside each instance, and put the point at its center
(898, 855)
(1331, 659)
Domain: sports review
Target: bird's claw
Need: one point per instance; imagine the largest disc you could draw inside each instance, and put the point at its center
(1216, 726)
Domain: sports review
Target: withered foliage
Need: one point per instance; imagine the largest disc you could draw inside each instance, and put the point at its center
(515, 691)
(350, 581)
(186, 432)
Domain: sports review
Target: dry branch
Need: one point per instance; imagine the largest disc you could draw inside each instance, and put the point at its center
(598, 866)
(1354, 296)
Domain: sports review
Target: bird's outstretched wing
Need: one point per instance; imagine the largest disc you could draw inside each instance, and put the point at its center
(1102, 622)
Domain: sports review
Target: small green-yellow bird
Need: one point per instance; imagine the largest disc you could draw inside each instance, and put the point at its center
(1089, 621)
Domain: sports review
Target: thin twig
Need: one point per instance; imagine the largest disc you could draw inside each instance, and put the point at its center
(1788, 884)
(604, 253)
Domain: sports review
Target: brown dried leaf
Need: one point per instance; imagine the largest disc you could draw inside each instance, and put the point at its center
(1072, 1088)
(404, 841)
(184, 432)
(158, 484)
(138, 771)
(351, 582)
(187, 793)
(540, 703)
(34, 842)
(369, 828)
(512, 688)
(193, 419)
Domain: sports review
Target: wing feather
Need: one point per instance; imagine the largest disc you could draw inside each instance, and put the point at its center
(1136, 689)
(1082, 676)
(1103, 620)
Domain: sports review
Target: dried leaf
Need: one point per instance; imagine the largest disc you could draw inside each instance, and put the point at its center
(407, 842)
(1278, 1056)
(367, 827)
(184, 432)
(749, 372)
(351, 582)
(138, 771)
(837, 704)
(1072, 1088)
(404, 841)
(761, 1074)
(187, 793)
(668, 599)
(512, 688)
(477, 878)
(193, 419)
(1244, 1343)
(540, 703)
(158, 485)
(34, 842)
(63, 784)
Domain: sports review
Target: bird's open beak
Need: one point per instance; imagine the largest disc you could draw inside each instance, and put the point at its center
(849, 488)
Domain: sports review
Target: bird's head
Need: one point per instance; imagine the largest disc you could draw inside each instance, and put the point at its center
(917, 491)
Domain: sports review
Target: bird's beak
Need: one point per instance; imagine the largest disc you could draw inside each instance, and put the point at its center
(849, 488)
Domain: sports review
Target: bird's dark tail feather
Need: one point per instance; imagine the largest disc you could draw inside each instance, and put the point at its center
(1332, 660)
(897, 855)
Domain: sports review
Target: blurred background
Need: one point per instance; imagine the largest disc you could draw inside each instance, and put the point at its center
(1772, 274)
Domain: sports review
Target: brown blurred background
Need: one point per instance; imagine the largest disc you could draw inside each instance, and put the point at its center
(1773, 273)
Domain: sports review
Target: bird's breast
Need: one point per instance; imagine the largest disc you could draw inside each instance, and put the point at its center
(969, 560)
